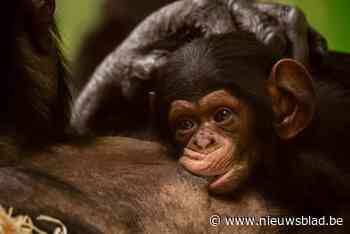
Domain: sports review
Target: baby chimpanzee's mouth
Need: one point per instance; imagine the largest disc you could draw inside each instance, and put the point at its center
(199, 156)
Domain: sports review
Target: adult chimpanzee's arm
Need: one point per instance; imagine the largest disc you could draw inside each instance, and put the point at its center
(122, 75)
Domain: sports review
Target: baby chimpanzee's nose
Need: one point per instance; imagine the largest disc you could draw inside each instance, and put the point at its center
(204, 141)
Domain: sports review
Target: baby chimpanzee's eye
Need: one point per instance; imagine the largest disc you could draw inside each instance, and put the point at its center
(223, 115)
(185, 125)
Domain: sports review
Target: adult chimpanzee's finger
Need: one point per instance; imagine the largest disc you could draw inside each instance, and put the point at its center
(266, 28)
(304, 39)
(213, 18)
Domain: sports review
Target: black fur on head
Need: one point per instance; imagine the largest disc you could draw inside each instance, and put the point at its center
(220, 61)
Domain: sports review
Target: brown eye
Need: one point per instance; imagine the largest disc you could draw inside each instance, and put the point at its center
(223, 115)
(185, 125)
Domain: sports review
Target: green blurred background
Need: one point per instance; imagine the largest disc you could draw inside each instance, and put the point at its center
(330, 17)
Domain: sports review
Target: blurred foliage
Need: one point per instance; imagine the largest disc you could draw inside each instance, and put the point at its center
(74, 19)
(331, 18)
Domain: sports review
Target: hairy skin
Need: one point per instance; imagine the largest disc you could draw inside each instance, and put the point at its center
(131, 190)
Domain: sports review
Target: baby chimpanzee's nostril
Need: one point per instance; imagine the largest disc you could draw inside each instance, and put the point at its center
(204, 141)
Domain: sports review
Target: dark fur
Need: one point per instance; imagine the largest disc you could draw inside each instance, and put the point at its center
(133, 190)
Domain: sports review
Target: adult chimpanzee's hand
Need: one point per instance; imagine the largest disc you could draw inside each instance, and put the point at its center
(123, 73)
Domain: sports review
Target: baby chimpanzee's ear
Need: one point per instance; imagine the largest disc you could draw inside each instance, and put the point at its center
(293, 97)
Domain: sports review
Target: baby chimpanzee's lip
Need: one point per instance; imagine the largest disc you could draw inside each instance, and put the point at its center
(198, 156)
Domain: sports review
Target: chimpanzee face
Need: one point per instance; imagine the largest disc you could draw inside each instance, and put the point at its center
(215, 132)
